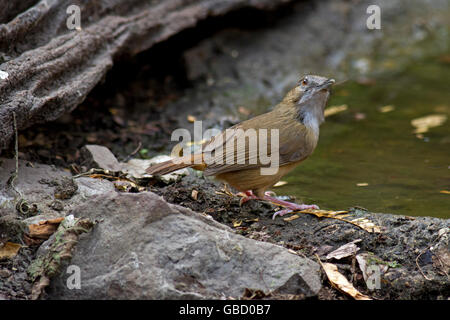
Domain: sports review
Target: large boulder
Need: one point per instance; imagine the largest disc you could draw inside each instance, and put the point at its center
(145, 248)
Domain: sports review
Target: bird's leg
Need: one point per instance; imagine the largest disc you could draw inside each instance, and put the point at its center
(227, 191)
(290, 207)
(248, 195)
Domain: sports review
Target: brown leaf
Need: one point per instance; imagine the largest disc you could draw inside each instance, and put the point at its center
(9, 250)
(385, 109)
(44, 229)
(280, 183)
(340, 282)
(362, 223)
(293, 217)
(422, 124)
(335, 109)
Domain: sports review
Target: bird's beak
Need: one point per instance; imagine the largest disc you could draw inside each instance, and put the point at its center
(327, 84)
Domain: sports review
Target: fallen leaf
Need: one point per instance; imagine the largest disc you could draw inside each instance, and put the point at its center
(344, 251)
(423, 124)
(280, 183)
(340, 282)
(386, 109)
(191, 118)
(194, 194)
(44, 229)
(293, 217)
(335, 109)
(9, 250)
(362, 223)
(365, 224)
(237, 223)
(444, 191)
(362, 184)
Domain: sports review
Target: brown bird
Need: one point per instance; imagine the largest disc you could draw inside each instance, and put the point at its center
(277, 142)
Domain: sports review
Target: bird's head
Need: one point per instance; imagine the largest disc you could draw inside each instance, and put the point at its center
(311, 86)
(310, 96)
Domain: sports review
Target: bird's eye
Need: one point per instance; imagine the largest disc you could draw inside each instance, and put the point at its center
(305, 82)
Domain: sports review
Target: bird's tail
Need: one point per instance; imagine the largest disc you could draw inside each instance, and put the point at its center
(190, 161)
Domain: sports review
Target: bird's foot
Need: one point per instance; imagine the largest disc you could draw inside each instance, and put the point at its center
(246, 196)
(227, 191)
(290, 207)
(299, 208)
(270, 194)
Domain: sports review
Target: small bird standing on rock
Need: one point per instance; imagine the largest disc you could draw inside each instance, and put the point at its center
(292, 128)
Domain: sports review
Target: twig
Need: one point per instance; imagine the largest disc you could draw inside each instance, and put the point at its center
(16, 157)
(134, 152)
(417, 263)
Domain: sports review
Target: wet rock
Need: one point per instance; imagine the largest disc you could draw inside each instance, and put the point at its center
(144, 248)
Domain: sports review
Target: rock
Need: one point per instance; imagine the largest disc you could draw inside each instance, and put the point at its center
(41, 185)
(137, 167)
(5, 273)
(145, 248)
(96, 156)
(48, 69)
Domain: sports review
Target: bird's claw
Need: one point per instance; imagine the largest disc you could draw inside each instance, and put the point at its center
(294, 207)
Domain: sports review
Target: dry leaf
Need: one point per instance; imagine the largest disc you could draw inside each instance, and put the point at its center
(293, 217)
(280, 183)
(362, 184)
(386, 109)
(43, 229)
(444, 191)
(194, 194)
(340, 282)
(424, 123)
(237, 223)
(344, 251)
(362, 223)
(191, 118)
(335, 109)
(365, 224)
(9, 250)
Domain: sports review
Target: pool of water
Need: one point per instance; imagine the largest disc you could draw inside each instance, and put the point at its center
(397, 171)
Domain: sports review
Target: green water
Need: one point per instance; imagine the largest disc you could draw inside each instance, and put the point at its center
(404, 174)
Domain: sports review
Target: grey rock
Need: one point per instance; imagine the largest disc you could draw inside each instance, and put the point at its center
(38, 184)
(145, 248)
(96, 156)
(136, 168)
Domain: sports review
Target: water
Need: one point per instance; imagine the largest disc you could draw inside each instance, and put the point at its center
(404, 174)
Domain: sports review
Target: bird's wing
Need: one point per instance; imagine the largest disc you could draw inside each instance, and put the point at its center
(242, 146)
